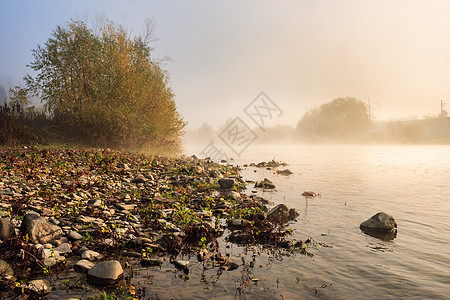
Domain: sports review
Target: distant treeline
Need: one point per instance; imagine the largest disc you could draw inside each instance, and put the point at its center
(99, 89)
(343, 120)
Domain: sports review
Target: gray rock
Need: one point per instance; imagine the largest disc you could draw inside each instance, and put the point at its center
(226, 183)
(84, 219)
(6, 229)
(109, 242)
(60, 241)
(234, 195)
(95, 202)
(6, 272)
(380, 223)
(131, 253)
(39, 286)
(63, 248)
(91, 255)
(47, 212)
(75, 236)
(229, 266)
(54, 260)
(121, 231)
(151, 262)
(309, 194)
(83, 266)
(142, 241)
(266, 183)
(54, 221)
(138, 180)
(260, 199)
(281, 213)
(238, 223)
(181, 264)
(47, 252)
(198, 169)
(105, 273)
(204, 255)
(284, 172)
(128, 207)
(39, 230)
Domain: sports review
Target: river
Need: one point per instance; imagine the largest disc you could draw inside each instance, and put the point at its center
(409, 182)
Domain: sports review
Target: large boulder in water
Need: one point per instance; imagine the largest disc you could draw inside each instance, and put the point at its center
(379, 223)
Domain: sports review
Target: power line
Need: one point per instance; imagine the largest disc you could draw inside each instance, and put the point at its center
(430, 98)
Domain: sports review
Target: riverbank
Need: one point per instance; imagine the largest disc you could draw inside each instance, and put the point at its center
(82, 220)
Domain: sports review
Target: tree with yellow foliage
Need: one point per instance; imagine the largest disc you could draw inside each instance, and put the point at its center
(106, 87)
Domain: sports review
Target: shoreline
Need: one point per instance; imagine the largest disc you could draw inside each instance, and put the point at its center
(106, 206)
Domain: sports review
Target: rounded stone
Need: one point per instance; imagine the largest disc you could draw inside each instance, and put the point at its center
(91, 255)
(105, 273)
(83, 266)
(181, 264)
(40, 286)
(39, 230)
(234, 195)
(380, 222)
(6, 229)
(226, 183)
(6, 272)
(73, 235)
(281, 213)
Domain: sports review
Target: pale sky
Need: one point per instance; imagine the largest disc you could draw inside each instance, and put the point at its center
(300, 53)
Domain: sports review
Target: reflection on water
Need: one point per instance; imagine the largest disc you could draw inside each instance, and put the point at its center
(379, 247)
(408, 182)
(382, 236)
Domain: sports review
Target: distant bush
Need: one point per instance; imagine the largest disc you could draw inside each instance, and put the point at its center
(105, 89)
(341, 120)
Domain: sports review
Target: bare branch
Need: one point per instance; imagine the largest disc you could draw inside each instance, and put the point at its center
(98, 22)
(148, 35)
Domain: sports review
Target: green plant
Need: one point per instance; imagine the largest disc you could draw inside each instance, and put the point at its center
(202, 243)
(245, 213)
(87, 238)
(146, 252)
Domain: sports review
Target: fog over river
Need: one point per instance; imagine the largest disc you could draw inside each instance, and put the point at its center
(409, 182)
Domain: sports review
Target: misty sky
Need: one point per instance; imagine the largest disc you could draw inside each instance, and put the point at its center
(300, 53)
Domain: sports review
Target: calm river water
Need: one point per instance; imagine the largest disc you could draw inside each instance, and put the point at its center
(409, 182)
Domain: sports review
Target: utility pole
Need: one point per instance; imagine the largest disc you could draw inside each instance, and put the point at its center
(443, 112)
